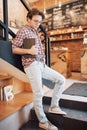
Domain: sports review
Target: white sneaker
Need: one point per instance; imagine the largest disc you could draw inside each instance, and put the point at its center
(57, 110)
(47, 126)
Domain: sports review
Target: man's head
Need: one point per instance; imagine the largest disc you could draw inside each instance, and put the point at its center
(34, 18)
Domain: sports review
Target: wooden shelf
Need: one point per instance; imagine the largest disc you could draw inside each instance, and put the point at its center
(69, 34)
(71, 39)
(9, 107)
(82, 31)
(5, 77)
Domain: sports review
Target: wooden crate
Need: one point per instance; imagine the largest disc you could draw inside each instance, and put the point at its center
(61, 62)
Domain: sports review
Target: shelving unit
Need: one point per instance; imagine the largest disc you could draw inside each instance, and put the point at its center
(10, 107)
(10, 75)
(22, 96)
(66, 34)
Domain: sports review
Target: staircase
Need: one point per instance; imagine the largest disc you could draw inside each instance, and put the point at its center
(76, 118)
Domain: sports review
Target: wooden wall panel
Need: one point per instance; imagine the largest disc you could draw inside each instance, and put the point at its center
(48, 3)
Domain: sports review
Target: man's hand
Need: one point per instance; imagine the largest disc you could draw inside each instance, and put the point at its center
(33, 50)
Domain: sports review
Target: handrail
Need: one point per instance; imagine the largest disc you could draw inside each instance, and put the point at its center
(5, 18)
(9, 30)
(25, 4)
(4, 24)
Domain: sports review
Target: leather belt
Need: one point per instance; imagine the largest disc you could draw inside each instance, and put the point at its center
(39, 59)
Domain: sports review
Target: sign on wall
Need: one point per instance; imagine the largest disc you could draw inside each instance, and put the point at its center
(71, 14)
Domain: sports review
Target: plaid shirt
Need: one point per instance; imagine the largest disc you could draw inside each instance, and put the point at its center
(28, 32)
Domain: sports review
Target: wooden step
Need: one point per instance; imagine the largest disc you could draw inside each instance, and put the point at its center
(9, 107)
(6, 67)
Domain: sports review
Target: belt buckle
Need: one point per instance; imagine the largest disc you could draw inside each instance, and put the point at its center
(39, 59)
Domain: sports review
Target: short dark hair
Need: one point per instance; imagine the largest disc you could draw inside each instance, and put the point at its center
(33, 12)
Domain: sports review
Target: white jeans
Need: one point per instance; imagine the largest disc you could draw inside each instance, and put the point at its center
(35, 72)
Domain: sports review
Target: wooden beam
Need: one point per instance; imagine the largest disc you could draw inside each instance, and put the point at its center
(13, 71)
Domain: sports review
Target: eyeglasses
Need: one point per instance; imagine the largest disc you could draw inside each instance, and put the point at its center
(37, 21)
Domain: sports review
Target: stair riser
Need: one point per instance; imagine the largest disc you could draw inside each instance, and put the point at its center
(68, 104)
(67, 123)
(32, 125)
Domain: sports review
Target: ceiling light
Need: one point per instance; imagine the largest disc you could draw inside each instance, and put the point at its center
(31, 1)
(44, 8)
(59, 4)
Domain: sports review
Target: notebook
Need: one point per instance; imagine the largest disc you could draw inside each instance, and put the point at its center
(27, 44)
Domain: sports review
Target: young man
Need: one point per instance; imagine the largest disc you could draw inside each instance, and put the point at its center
(36, 69)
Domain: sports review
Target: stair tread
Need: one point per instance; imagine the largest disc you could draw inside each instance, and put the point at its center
(76, 114)
(71, 113)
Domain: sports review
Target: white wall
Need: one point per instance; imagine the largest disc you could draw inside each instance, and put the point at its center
(16, 11)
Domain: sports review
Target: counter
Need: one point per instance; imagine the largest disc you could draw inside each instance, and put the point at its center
(61, 62)
(84, 63)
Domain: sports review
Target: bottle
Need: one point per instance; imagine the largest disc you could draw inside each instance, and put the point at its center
(72, 35)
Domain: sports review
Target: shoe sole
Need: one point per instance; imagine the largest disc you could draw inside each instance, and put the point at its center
(44, 128)
(57, 113)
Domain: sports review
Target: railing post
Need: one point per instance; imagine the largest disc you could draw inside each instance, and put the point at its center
(47, 49)
(5, 18)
